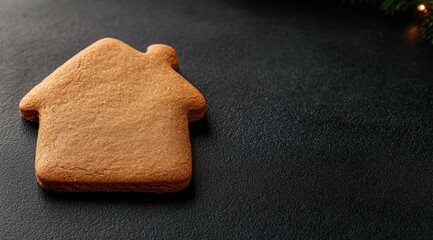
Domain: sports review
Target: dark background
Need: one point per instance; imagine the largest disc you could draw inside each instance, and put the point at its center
(318, 125)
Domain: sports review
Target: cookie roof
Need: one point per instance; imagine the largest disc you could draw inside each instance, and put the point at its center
(107, 66)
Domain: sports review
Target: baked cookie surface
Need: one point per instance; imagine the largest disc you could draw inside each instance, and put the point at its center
(114, 119)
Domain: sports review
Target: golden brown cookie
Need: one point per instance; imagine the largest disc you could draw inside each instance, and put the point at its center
(114, 119)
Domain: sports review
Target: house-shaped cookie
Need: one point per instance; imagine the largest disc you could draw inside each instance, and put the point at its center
(114, 119)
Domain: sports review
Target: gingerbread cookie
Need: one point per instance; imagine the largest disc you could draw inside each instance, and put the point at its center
(114, 119)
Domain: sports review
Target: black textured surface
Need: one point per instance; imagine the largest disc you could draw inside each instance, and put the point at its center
(318, 125)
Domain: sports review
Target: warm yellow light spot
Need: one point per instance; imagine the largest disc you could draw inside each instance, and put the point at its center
(421, 8)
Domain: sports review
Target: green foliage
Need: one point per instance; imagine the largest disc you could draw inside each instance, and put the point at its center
(427, 30)
(393, 6)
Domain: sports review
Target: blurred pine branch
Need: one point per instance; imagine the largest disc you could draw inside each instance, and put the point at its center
(423, 9)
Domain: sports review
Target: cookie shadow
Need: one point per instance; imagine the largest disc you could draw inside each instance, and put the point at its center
(199, 128)
(31, 128)
(183, 196)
